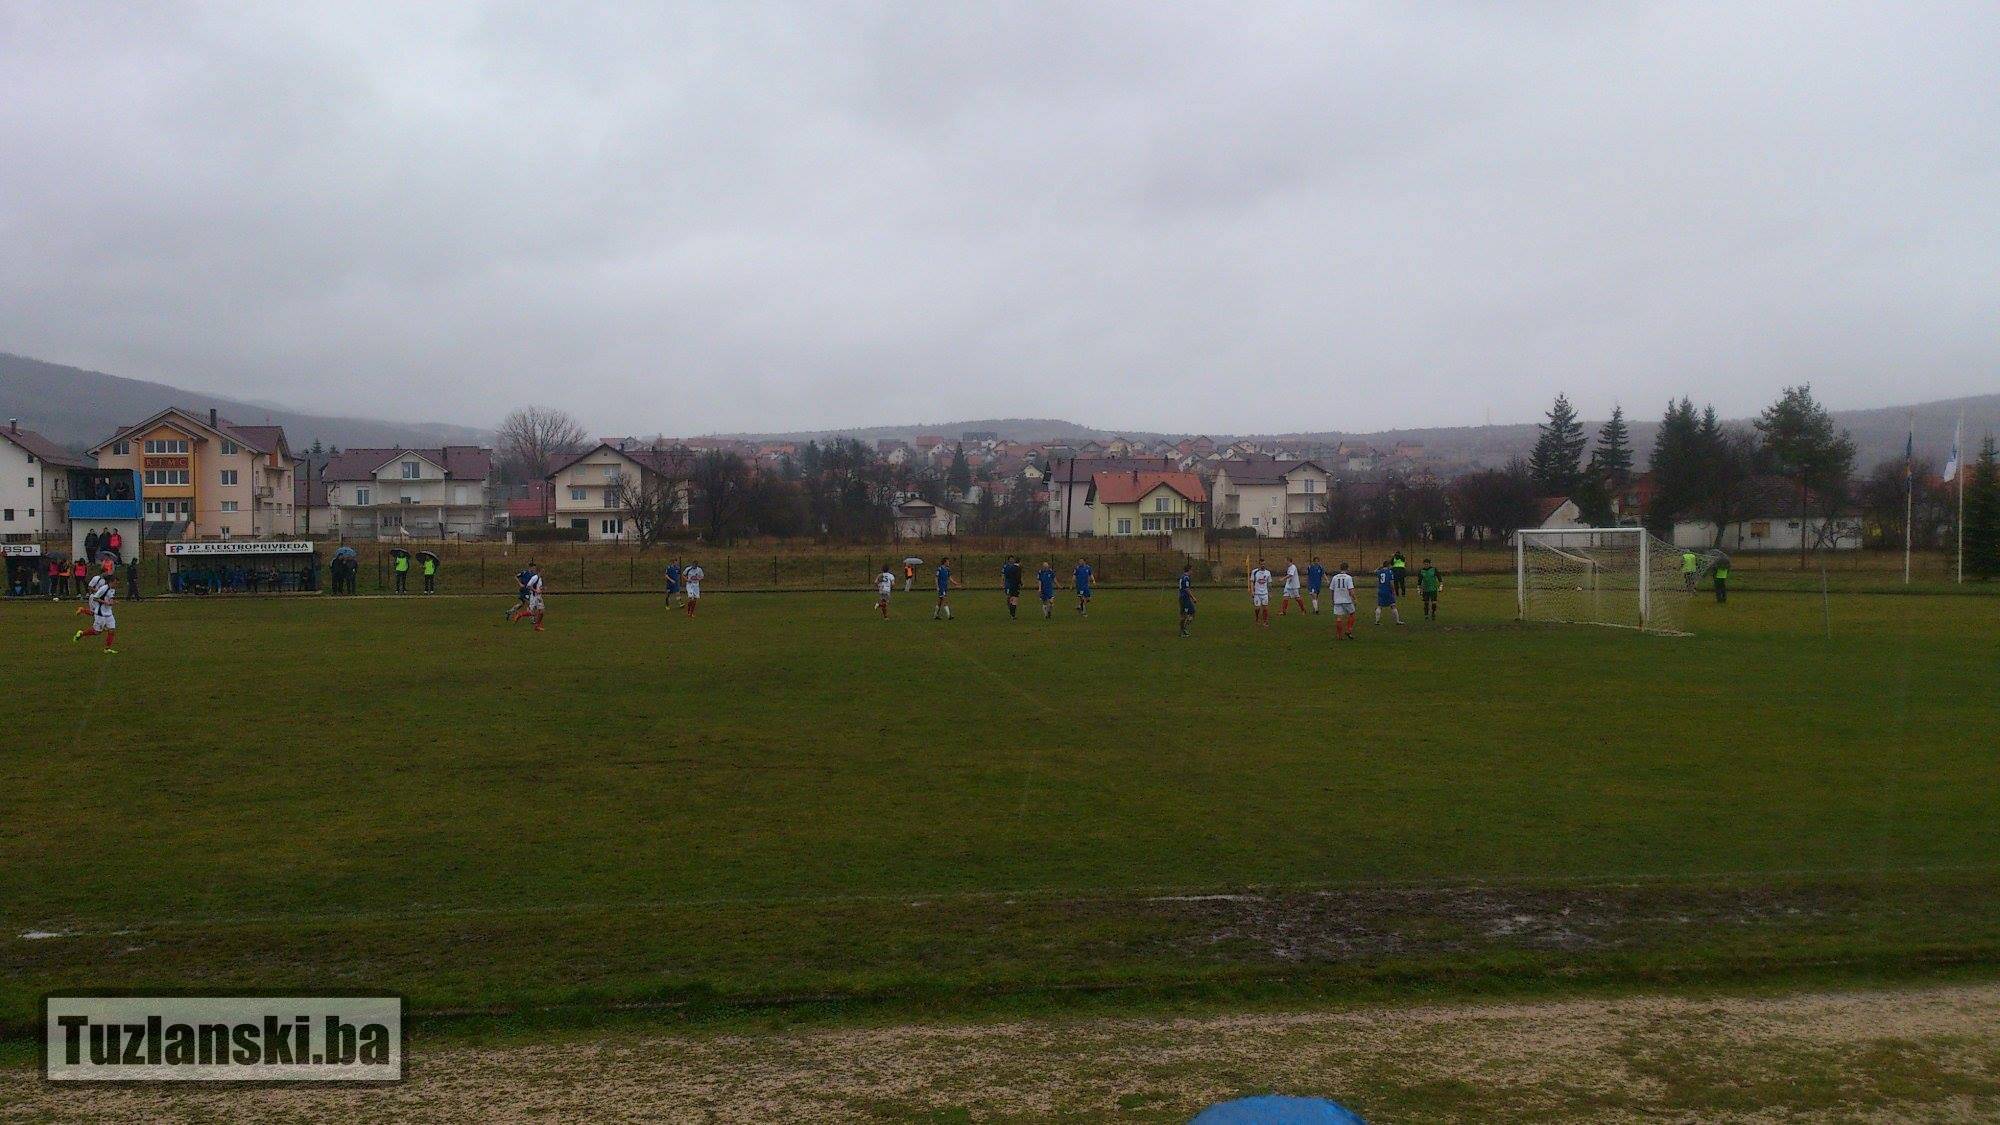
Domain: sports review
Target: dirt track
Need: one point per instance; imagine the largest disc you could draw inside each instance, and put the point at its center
(1929, 1054)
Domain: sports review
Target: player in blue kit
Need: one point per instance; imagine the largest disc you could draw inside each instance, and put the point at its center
(1315, 581)
(1385, 593)
(1187, 596)
(944, 590)
(1047, 577)
(1010, 579)
(1082, 576)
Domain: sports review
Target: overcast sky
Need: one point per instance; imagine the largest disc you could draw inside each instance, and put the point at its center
(1220, 217)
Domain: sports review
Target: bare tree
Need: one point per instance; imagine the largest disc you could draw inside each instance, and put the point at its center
(721, 486)
(532, 438)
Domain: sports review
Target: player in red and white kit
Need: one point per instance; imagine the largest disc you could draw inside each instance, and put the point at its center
(103, 591)
(531, 605)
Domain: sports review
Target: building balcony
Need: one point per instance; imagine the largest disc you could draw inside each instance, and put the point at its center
(85, 511)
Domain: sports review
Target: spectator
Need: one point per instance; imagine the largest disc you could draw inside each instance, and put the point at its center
(131, 576)
(90, 545)
(115, 543)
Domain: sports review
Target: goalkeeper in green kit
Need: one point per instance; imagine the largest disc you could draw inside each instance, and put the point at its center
(1429, 582)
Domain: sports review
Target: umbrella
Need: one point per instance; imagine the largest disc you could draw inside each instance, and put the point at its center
(913, 561)
(427, 555)
(1277, 1109)
(399, 552)
(344, 553)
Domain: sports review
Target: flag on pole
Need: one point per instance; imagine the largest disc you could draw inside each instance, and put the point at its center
(1951, 465)
(1910, 451)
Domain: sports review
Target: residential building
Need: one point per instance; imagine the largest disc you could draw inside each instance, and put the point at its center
(1275, 498)
(35, 485)
(206, 477)
(587, 487)
(1137, 502)
(314, 515)
(1770, 522)
(1069, 481)
(406, 493)
(1558, 513)
(921, 519)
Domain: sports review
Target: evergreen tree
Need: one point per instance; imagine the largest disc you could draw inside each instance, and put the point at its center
(1555, 463)
(1612, 459)
(1609, 471)
(958, 478)
(1802, 443)
(1982, 514)
(1676, 467)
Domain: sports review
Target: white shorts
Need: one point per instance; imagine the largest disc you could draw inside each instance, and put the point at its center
(534, 603)
(1260, 599)
(104, 622)
(1342, 607)
(1291, 591)
(694, 591)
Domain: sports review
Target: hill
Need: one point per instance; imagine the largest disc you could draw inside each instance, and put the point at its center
(1878, 433)
(79, 408)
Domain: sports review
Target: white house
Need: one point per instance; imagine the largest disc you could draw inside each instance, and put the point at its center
(398, 493)
(587, 487)
(1275, 498)
(1069, 481)
(1770, 522)
(921, 519)
(34, 485)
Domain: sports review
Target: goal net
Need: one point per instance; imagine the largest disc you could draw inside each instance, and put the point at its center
(1622, 576)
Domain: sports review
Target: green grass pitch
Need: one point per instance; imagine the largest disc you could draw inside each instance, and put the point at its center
(788, 797)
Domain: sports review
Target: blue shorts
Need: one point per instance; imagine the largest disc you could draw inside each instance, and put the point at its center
(1083, 591)
(1384, 601)
(1187, 605)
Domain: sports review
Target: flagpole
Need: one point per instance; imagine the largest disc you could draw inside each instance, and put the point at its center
(1909, 493)
(1958, 471)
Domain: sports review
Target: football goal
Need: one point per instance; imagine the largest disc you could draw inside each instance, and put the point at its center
(1621, 576)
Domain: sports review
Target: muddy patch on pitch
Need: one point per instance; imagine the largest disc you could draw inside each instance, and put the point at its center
(1342, 925)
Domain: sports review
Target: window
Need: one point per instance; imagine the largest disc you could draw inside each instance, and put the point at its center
(411, 470)
(228, 448)
(1760, 529)
(229, 476)
(1124, 527)
(579, 525)
(610, 472)
(166, 445)
(579, 494)
(361, 496)
(7, 514)
(225, 530)
(121, 449)
(614, 526)
(1150, 523)
(166, 476)
(229, 505)
(1162, 504)
(31, 482)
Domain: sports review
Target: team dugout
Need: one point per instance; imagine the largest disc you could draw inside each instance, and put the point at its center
(242, 567)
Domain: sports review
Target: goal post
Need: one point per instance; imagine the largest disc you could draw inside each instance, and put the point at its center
(1625, 577)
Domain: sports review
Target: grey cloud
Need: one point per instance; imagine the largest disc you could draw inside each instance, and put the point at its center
(1162, 216)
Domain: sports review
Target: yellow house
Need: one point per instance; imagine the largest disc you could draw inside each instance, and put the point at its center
(1137, 502)
(222, 480)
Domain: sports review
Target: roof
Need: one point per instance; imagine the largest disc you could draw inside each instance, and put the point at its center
(262, 439)
(459, 462)
(42, 449)
(1262, 470)
(1077, 470)
(669, 460)
(1134, 485)
(1546, 506)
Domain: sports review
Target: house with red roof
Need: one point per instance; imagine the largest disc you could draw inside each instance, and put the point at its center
(1145, 502)
(408, 493)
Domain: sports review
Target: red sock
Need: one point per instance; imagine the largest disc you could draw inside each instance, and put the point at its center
(110, 636)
